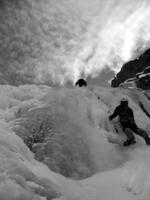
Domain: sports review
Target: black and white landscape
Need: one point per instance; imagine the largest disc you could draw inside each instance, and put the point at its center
(56, 141)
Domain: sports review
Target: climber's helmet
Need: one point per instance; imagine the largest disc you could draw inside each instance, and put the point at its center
(124, 101)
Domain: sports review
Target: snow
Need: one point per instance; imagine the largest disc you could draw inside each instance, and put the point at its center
(79, 155)
(144, 75)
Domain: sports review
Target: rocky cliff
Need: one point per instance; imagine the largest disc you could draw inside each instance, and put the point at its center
(131, 68)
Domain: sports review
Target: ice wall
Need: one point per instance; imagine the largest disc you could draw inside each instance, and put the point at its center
(65, 133)
(68, 130)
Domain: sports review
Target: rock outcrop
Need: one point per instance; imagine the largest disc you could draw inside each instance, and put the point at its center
(141, 80)
(131, 68)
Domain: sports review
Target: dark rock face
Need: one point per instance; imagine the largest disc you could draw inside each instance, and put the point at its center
(140, 80)
(131, 68)
(143, 79)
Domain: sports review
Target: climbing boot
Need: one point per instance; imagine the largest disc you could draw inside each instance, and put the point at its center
(147, 140)
(129, 142)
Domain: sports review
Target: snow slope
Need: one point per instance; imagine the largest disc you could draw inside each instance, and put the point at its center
(74, 151)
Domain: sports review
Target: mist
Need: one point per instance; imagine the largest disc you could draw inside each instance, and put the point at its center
(53, 42)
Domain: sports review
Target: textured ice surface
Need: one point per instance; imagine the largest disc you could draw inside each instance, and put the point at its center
(68, 133)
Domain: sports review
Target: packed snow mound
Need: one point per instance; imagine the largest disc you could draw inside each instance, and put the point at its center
(49, 132)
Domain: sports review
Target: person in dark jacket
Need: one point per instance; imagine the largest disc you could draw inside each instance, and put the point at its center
(126, 118)
(81, 82)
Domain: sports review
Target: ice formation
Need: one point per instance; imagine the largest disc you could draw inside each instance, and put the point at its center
(74, 151)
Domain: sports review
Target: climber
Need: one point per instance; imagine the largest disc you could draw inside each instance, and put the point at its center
(81, 83)
(126, 118)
